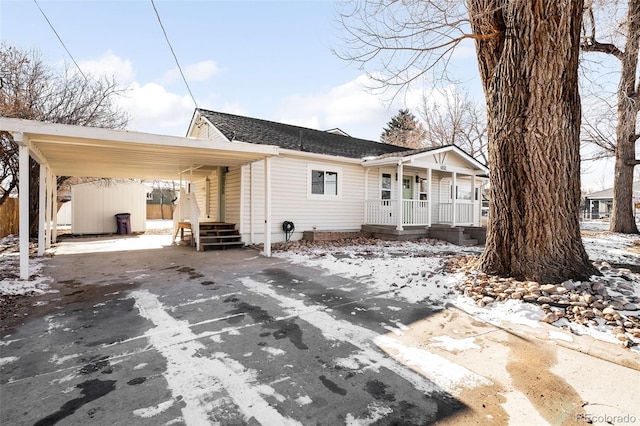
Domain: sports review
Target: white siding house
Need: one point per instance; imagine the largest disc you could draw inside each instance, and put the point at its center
(327, 181)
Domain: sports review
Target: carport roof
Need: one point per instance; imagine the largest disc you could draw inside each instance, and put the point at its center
(95, 152)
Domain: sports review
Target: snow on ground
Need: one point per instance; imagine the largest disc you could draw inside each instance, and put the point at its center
(415, 272)
(10, 282)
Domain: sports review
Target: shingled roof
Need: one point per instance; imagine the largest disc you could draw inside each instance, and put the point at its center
(254, 130)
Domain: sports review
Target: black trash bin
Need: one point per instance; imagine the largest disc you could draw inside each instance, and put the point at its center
(123, 221)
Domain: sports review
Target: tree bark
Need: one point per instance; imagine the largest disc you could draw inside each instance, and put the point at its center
(530, 77)
(622, 218)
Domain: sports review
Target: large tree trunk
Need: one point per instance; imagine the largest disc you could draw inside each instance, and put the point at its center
(622, 219)
(529, 66)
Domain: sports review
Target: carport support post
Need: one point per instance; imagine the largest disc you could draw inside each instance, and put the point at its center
(42, 210)
(54, 203)
(23, 188)
(267, 207)
(49, 210)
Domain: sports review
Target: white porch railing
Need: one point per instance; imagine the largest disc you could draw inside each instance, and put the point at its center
(415, 212)
(464, 213)
(384, 212)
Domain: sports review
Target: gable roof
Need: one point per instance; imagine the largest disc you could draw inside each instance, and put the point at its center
(264, 132)
(409, 156)
(607, 194)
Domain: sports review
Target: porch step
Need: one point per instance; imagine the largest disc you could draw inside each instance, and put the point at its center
(219, 235)
(390, 233)
(467, 241)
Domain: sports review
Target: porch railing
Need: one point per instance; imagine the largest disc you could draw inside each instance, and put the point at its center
(385, 212)
(464, 213)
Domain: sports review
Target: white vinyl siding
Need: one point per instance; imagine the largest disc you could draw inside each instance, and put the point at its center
(213, 196)
(201, 196)
(232, 205)
(290, 199)
(95, 206)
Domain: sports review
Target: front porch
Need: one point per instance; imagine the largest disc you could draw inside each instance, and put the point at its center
(424, 187)
(419, 213)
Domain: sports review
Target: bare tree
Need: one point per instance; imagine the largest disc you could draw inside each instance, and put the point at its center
(457, 120)
(29, 89)
(527, 54)
(404, 129)
(627, 108)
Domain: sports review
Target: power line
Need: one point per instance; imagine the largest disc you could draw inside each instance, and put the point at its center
(60, 39)
(174, 54)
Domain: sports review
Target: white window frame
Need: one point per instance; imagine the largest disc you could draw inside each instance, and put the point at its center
(324, 168)
(386, 189)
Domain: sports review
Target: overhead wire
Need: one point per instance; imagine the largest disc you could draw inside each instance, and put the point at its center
(60, 39)
(174, 54)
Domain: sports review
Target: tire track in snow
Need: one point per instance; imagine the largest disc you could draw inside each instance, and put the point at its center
(198, 379)
(441, 374)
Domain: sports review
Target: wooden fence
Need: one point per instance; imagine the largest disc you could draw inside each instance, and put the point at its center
(154, 212)
(9, 217)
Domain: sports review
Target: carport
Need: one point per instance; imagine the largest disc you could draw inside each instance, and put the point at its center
(64, 150)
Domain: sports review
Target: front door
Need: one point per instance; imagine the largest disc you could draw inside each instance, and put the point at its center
(407, 194)
(407, 187)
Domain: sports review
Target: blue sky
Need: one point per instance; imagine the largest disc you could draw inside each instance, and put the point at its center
(265, 59)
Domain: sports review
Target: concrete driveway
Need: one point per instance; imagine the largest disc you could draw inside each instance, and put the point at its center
(167, 335)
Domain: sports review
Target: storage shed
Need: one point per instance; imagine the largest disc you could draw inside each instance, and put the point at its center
(94, 206)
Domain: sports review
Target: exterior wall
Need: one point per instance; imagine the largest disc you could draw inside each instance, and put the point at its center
(233, 196)
(290, 200)
(201, 196)
(213, 196)
(94, 207)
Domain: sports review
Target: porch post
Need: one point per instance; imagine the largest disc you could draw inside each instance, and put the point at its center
(54, 200)
(42, 207)
(399, 217)
(454, 200)
(267, 207)
(473, 199)
(251, 196)
(366, 192)
(429, 200)
(23, 188)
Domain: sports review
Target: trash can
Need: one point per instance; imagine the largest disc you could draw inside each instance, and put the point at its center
(123, 222)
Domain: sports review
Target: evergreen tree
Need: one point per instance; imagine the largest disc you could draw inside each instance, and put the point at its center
(404, 130)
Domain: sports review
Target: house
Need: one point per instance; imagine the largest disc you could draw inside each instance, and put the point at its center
(599, 205)
(327, 181)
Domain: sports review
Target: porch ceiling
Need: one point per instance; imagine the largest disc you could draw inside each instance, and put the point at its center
(93, 152)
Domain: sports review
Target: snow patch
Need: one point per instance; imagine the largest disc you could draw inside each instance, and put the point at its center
(153, 410)
(454, 345)
(8, 360)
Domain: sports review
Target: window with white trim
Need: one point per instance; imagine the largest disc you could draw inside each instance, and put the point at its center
(324, 182)
(385, 186)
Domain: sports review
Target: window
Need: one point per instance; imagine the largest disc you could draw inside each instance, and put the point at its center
(385, 192)
(463, 190)
(323, 182)
(424, 189)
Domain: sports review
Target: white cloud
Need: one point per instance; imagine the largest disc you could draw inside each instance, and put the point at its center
(350, 106)
(198, 72)
(109, 65)
(153, 109)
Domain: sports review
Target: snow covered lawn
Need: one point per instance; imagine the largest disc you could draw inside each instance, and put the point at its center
(606, 307)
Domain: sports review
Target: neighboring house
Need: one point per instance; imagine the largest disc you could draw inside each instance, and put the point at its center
(95, 204)
(599, 205)
(328, 181)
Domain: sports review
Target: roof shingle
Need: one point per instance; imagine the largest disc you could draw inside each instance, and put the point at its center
(257, 131)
